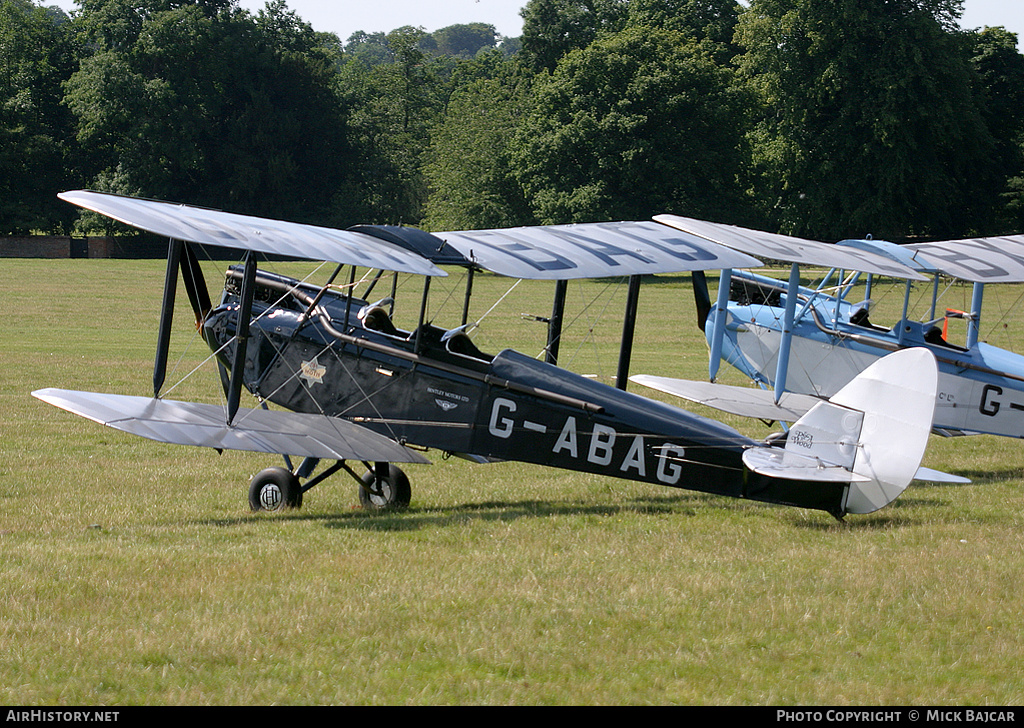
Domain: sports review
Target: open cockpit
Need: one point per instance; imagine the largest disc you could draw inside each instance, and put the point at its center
(342, 316)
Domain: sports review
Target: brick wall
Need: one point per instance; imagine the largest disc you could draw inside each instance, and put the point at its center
(57, 246)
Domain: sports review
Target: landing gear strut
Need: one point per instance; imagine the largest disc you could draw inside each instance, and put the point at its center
(384, 486)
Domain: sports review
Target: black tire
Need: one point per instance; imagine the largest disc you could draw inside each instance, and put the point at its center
(274, 489)
(395, 492)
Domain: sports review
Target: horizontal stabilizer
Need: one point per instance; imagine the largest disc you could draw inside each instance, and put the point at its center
(875, 429)
(778, 463)
(743, 401)
(254, 430)
(928, 475)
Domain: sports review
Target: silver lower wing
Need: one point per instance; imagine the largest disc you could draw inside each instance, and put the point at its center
(253, 430)
(756, 403)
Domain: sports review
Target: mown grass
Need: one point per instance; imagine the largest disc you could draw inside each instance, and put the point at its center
(133, 573)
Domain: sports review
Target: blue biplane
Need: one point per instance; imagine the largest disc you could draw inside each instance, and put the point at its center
(802, 344)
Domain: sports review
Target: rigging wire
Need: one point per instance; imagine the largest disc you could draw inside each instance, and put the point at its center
(592, 323)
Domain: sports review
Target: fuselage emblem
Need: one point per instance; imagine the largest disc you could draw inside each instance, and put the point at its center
(312, 372)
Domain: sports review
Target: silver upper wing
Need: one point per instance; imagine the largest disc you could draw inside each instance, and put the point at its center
(978, 260)
(545, 252)
(794, 250)
(592, 250)
(214, 227)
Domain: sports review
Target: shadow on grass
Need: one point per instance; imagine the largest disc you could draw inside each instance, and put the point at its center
(415, 518)
(917, 505)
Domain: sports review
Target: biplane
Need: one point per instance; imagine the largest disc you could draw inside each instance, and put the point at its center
(338, 384)
(802, 344)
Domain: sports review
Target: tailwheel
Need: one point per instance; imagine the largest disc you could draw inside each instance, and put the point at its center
(274, 489)
(385, 487)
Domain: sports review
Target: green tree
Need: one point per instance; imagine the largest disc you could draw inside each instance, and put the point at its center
(640, 122)
(465, 41)
(116, 25)
(713, 20)
(201, 102)
(869, 121)
(37, 152)
(469, 167)
(553, 28)
(1000, 70)
(369, 49)
(394, 105)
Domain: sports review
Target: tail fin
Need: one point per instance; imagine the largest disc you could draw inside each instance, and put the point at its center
(871, 434)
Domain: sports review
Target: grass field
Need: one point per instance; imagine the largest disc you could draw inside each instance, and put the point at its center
(133, 572)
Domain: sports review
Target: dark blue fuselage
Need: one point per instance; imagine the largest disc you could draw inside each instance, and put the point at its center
(431, 390)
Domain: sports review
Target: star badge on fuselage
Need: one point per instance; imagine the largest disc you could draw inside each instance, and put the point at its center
(312, 372)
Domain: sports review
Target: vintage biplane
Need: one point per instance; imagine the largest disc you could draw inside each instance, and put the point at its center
(338, 382)
(803, 344)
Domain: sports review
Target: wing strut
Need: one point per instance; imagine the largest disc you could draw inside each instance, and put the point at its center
(718, 332)
(782, 365)
(241, 335)
(179, 255)
(166, 315)
(469, 294)
(195, 284)
(701, 298)
(555, 322)
(628, 328)
(974, 321)
(418, 343)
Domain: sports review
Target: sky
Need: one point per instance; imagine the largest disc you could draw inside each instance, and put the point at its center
(345, 17)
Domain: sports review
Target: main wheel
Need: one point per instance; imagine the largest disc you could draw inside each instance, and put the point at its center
(274, 489)
(392, 492)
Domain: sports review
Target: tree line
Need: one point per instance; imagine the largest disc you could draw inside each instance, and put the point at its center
(821, 118)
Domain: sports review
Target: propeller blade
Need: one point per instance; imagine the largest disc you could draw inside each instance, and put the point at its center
(195, 284)
(701, 297)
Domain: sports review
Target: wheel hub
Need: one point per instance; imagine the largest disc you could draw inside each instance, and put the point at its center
(270, 497)
(381, 495)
